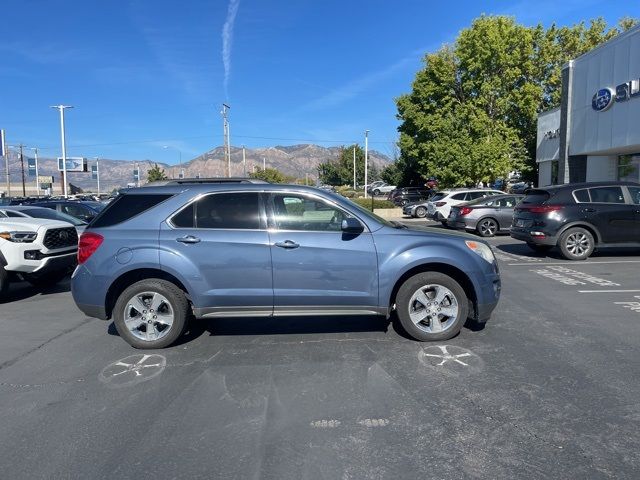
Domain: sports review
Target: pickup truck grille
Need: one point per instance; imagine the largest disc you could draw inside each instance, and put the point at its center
(61, 238)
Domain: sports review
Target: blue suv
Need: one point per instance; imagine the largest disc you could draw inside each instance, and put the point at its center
(159, 255)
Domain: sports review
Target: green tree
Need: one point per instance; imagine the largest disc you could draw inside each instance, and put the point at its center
(477, 101)
(339, 171)
(271, 175)
(156, 173)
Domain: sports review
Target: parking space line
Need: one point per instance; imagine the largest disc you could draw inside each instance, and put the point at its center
(608, 291)
(568, 262)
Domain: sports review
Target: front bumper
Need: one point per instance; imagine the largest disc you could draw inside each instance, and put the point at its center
(488, 297)
(47, 263)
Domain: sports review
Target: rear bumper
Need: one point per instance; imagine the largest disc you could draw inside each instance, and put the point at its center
(458, 225)
(525, 235)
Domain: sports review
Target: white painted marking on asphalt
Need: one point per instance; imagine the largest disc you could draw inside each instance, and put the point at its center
(446, 356)
(569, 272)
(568, 262)
(633, 306)
(608, 291)
(132, 370)
(374, 422)
(325, 423)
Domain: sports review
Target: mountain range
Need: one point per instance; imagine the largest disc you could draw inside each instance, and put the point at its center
(295, 161)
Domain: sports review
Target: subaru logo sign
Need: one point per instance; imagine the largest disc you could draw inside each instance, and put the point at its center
(602, 100)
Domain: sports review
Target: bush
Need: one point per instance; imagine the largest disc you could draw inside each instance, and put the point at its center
(366, 203)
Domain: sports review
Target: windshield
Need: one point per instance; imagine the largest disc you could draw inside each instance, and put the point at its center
(49, 214)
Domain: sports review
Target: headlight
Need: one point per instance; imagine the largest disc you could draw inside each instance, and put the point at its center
(481, 249)
(19, 237)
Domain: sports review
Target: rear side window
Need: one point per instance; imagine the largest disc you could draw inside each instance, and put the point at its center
(234, 211)
(459, 196)
(125, 207)
(438, 196)
(582, 196)
(635, 194)
(606, 195)
(536, 197)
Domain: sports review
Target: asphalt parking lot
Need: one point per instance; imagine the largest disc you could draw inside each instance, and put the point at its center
(548, 389)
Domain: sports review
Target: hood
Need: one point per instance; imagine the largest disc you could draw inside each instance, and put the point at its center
(25, 224)
(437, 232)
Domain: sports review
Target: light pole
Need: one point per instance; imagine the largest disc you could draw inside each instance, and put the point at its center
(227, 146)
(98, 174)
(244, 161)
(61, 109)
(366, 161)
(354, 167)
(264, 164)
(180, 172)
(35, 153)
(5, 154)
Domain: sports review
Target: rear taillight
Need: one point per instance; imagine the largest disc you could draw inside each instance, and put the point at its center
(465, 210)
(440, 204)
(539, 208)
(88, 244)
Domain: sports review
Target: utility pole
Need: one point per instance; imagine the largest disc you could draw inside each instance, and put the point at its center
(35, 151)
(61, 109)
(354, 167)
(366, 162)
(264, 164)
(5, 154)
(244, 161)
(24, 189)
(227, 147)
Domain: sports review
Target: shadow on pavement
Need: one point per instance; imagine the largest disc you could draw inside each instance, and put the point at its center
(23, 290)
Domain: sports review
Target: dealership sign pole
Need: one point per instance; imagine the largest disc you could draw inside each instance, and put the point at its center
(61, 108)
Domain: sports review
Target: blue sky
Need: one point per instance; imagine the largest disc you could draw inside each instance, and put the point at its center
(143, 74)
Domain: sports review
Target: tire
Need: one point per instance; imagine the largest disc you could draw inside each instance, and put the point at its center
(376, 192)
(423, 287)
(444, 223)
(539, 248)
(576, 244)
(46, 280)
(4, 282)
(421, 212)
(487, 227)
(173, 307)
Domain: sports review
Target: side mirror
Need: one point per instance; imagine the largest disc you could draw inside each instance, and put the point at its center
(352, 225)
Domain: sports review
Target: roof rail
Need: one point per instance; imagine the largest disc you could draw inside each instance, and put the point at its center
(199, 181)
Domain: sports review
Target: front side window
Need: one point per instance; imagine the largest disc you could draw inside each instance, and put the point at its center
(635, 194)
(606, 195)
(232, 211)
(297, 212)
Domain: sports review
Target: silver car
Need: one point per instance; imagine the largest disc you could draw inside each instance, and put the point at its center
(486, 216)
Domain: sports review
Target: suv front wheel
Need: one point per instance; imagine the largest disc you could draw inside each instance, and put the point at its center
(432, 306)
(151, 313)
(576, 244)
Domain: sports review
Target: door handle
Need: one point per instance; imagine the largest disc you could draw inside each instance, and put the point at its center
(590, 210)
(188, 239)
(287, 244)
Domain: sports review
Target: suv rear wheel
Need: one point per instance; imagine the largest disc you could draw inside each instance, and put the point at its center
(432, 306)
(151, 313)
(576, 244)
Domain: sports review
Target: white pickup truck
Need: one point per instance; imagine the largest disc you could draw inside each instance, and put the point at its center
(40, 251)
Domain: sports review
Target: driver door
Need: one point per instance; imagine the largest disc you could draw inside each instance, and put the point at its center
(316, 267)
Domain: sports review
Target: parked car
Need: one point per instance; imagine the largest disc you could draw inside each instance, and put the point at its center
(380, 189)
(38, 250)
(577, 218)
(404, 195)
(29, 211)
(486, 216)
(372, 185)
(439, 206)
(520, 187)
(157, 255)
(85, 211)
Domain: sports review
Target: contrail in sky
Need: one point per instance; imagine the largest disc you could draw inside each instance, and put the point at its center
(227, 39)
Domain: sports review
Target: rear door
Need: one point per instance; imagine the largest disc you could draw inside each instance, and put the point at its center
(504, 211)
(611, 214)
(220, 241)
(317, 267)
(634, 193)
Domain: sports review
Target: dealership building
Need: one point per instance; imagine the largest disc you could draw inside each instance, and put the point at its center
(595, 133)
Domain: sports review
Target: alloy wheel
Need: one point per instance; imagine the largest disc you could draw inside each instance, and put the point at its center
(433, 308)
(149, 316)
(578, 244)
